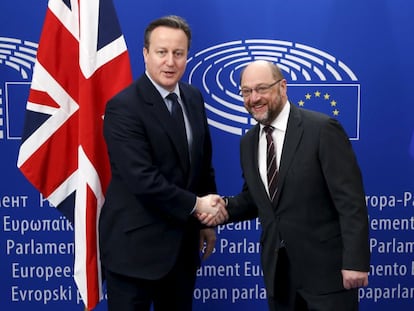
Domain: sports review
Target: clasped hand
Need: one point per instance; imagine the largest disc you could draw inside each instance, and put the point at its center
(211, 210)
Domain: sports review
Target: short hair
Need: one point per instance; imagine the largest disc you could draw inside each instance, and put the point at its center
(274, 68)
(171, 21)
(276, 72)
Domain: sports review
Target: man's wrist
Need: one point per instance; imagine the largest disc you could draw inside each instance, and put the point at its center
(195, 206)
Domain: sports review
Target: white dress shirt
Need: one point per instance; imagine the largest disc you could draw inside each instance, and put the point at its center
(280, 125)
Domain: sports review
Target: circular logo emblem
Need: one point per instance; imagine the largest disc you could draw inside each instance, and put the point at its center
(216, 71)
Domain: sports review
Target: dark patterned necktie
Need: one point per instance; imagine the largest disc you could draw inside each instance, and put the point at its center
(271, 162)
(177, 115)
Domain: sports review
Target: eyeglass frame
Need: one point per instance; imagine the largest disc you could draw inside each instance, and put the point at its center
(261, 89)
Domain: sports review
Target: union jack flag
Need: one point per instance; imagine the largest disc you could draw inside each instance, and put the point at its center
(82, 61)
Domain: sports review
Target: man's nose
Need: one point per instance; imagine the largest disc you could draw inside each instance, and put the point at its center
(170, 58)
(254, 96)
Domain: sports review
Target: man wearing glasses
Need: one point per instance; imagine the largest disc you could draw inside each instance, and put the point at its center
(302, 179)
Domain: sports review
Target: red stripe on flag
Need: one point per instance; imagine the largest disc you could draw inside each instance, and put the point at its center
(92, 261)
(91, 116)
(42, 98)
(59, 54)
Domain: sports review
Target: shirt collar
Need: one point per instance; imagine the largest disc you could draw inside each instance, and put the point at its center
(164, 93)
(281, 120)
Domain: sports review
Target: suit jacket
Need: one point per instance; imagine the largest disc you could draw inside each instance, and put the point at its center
(146, 216)
(319, 209)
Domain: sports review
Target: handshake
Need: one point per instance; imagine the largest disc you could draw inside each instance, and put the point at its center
(211, 210)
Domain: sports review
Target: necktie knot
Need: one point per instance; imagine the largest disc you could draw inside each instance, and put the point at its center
(176, 110)
(268, 129)
(172, 96)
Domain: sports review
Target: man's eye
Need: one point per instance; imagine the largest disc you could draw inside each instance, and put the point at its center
(161, 53)
(261, 89)
(246, 92)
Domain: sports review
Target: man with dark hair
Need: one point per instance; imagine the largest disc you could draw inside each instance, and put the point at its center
(162, 177)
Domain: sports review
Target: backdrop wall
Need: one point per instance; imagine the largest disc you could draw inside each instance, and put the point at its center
(349, 59)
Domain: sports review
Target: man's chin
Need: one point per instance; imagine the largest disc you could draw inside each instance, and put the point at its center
(261, 118)
(169, 83)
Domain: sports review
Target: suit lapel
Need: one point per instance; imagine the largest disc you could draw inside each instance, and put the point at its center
(191, 112)
(293, 136)
(153, 98)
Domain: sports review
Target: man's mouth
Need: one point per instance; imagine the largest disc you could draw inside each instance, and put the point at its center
(258, 107)
(169, 73)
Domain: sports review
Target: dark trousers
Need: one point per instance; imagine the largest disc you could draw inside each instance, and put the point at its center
(174, 292)
(289, 298)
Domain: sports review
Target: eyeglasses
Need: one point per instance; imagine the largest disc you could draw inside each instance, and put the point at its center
(261, 89)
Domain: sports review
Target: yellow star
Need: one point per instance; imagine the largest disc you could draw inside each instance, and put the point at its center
(301, 103)
(317, 94)
(333, 103)
(335, 112)
(326, 96)
(308, 96)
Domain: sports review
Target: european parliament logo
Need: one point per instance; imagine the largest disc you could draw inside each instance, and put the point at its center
(17, 58)
(316, 81)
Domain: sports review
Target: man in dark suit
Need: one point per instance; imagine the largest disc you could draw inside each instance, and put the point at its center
(161, 176)
(314, 239)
